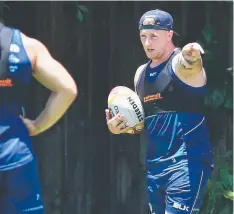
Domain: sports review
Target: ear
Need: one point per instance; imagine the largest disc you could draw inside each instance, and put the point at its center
(170, 34)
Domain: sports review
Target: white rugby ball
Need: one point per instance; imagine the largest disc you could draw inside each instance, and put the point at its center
(126, 102)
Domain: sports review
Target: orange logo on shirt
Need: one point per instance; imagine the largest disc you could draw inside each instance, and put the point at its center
(6, 83)
(152, 97)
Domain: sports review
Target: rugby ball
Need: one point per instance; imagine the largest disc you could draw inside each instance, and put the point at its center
(126, 102)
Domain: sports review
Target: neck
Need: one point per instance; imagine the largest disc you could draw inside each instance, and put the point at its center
(164, 57)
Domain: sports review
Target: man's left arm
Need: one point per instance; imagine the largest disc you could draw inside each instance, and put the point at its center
(188, 63)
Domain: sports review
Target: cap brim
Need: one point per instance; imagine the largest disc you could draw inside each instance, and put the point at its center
(175, 33)
(155, 27)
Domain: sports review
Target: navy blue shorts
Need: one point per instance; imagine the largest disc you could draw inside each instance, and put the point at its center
(20, 190)
(177, 188)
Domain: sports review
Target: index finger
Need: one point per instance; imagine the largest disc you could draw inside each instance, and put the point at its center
(198, 47)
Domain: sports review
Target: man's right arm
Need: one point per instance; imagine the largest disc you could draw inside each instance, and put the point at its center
(118, 124)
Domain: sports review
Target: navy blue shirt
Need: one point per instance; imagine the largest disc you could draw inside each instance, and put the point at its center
(175, 134)
(15, 143)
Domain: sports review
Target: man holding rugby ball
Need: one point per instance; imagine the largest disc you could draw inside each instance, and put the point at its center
(171, 87)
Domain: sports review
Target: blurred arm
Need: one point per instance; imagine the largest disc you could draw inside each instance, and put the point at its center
(51, 74)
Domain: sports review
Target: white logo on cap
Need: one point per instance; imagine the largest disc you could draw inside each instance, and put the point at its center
(149, 21)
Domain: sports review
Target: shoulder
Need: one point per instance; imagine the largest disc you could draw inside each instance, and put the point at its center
(32, 43)
(33, 47)
(138, 73)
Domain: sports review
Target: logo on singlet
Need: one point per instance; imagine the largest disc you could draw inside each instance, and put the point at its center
(181, 207)
(14, 48)
(152, 97)
(6, 83)
(13, 58)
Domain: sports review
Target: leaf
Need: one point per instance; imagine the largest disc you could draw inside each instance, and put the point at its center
(230, 69)
(80, 16)
(229, 194)
(227, 154)
(207, 34)
(215, 98)
(83, 8)
(209, 184)
(226, 210)
(224, 175)
(6, 6)
(229, 101)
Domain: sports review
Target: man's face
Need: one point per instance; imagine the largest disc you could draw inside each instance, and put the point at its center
(155, 42)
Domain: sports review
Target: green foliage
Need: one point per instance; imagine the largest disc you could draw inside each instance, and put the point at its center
(219, 97)
(81, 9)
(218, 196)
(220, 78)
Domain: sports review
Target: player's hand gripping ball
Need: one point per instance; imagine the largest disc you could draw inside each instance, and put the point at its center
(125, 102)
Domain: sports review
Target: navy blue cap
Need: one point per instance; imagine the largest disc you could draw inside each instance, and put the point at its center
(157, 20)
